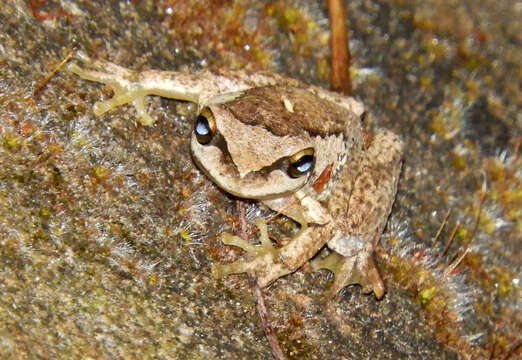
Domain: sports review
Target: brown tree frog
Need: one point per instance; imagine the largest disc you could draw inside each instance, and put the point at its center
(299, 149)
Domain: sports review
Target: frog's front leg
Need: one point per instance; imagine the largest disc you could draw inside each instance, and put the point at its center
(362, 214)
(126, 84)
(132, 87)
(204, 87)
(269, 263)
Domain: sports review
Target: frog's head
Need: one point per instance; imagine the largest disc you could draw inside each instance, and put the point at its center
(250, 161)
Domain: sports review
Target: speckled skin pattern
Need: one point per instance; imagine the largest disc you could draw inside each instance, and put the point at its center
(261, 121)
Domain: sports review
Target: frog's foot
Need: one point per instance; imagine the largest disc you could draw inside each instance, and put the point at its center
(357, 269)
(263, 260)
(124, 83)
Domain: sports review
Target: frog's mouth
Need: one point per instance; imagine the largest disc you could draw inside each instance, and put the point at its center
(268, 183)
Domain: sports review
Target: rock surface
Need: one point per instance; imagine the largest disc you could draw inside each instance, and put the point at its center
(108, 231)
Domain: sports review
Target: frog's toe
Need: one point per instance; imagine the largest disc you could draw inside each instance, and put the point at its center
(351, 270)
(119, 98)
(261, 258)
(99, 74)
(98, 70)
(126, 87)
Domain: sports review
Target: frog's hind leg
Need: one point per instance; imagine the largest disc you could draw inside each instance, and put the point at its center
(347, 271)
(123, 82)
(362, 213)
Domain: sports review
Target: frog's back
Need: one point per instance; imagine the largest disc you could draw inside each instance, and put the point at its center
(290, 110)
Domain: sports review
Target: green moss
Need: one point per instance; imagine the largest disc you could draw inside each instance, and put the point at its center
(429, 288)
(462, 232)
(184, 234)
(503, 280)
(12, 142)
(78, 140)
(44, 212)
(427, 294)
(458, 161)
(295, 347)
(101, 173)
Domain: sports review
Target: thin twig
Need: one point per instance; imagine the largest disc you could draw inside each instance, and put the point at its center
(262, 310)
(441, 227)
(516, 146)
(450, 240)
(48, 77)
(457, 261)
(340, 76)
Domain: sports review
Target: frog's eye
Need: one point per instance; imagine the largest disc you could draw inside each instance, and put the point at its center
(205, 126)
(301, 163)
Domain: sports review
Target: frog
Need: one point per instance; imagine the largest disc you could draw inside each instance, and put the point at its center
(298, 149)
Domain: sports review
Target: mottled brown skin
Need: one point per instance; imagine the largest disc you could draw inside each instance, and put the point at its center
(364, 204)
(261, 121)
(372, 191)
(263, 106)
